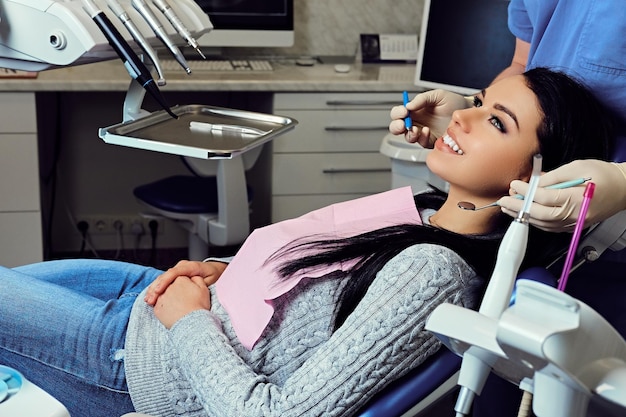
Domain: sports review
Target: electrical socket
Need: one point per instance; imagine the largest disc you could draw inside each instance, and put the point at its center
(107, 224)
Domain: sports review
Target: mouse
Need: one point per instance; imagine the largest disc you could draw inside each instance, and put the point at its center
(342, 68)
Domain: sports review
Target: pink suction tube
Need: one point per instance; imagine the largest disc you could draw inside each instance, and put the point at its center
(580, 223)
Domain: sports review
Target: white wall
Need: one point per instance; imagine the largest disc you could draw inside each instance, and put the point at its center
(332, 27)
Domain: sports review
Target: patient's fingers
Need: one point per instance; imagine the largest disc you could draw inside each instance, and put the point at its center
(210, 272)
(158, 287)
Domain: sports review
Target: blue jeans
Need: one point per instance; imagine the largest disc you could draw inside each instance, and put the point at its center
(63, 326)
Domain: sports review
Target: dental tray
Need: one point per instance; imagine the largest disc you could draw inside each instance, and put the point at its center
(162, 133)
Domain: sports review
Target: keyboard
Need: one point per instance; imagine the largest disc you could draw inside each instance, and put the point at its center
(219, 65)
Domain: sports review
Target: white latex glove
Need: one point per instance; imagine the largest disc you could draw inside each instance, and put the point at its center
(431, 112)
(557, 210)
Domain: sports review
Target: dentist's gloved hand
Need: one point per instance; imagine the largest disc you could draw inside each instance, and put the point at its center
(557, 210)
(431, 112)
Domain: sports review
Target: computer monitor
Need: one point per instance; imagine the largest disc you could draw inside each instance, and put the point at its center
(248, 23)
(463, 44)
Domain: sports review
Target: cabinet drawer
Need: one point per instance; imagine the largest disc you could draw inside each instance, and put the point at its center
(335, 131)
(17, 113)
(290, 206)
(20, 239)
(19, 172)
(292, 101)
(330, 173)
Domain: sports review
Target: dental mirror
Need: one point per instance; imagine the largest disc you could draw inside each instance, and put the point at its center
(466, 205)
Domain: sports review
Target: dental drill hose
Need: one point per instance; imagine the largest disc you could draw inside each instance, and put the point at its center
(134, 31)
(133, 64)
(180, 27)
(144, 10)
(475, 370)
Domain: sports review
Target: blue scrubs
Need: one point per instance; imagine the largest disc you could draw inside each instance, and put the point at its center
(584, 38)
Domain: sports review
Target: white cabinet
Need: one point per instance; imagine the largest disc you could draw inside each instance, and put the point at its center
(333, 153)
(20, 212)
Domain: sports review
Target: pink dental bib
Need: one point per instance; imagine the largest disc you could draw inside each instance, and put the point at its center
(248, 286)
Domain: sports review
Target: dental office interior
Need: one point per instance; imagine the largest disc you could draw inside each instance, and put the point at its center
(71, 178)
(93, 167)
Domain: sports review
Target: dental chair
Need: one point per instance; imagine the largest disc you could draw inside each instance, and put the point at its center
(415, 393)
(212, 204)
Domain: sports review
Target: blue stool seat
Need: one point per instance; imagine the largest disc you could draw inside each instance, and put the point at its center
(182, 194)
(212, 205)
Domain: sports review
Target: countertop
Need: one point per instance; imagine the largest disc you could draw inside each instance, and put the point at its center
(286, 77)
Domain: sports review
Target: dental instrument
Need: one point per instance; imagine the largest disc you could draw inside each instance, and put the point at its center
(466, 205)
(144, 9)
(182, 30)
(133, 64)
(580, 223)
(119, 11)
(210, 127)
(408, 123)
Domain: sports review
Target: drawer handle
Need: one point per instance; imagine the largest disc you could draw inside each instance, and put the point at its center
(362, 103)
(353, 170)
(354, 128)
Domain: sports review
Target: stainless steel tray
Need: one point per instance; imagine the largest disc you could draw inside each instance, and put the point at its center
(162, 133)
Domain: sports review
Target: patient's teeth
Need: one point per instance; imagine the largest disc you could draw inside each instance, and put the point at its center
(452, 144)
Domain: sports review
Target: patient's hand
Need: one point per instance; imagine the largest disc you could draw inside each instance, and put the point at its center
(209, 272)
(182, 297)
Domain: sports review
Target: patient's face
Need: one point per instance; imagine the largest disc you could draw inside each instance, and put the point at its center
(491, 144)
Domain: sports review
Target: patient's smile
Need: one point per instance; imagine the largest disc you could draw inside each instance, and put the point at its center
(452, 144)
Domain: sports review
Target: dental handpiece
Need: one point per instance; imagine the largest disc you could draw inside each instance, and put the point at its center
(133, 64)
(524, 213)
(119, 11)
(180, 27)
(144, 9)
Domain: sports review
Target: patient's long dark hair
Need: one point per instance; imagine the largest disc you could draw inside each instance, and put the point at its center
(575, 126)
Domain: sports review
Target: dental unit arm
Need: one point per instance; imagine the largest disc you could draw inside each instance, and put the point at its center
(547, 343)
(37, 35)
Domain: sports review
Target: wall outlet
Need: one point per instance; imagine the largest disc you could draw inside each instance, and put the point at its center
(111, 225)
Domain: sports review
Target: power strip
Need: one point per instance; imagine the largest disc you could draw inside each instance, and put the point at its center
(129, 225)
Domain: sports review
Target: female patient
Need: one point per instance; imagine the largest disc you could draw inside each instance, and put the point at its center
(98, 334)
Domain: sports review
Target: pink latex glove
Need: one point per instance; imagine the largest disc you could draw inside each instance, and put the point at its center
(557, 210)
(431, 112)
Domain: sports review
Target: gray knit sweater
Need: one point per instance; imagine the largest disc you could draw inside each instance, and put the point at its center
(299, 367)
